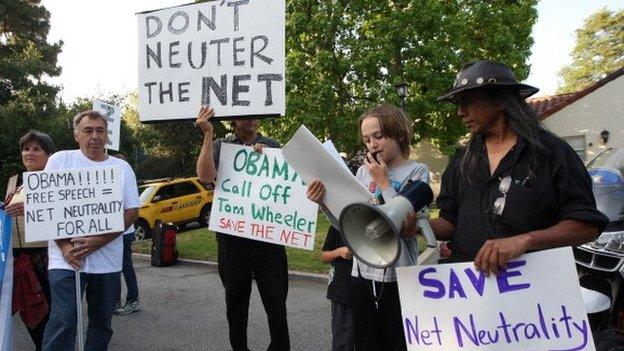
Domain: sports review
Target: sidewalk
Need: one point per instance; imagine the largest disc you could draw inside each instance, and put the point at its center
(297, 274)
(183, 308)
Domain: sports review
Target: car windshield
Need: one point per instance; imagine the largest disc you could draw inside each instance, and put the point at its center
(613, 158)
(145, 192)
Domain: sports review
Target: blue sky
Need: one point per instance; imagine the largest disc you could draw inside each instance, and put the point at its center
(101, 59)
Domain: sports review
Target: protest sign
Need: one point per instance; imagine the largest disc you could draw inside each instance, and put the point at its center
(259, 196)
(535, 304)
(73, 202)
(6, 282)
(112, 114)
(5, 242)
(305, 153)
(228, 54)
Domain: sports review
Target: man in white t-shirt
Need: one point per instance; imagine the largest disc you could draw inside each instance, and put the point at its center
(99, 257)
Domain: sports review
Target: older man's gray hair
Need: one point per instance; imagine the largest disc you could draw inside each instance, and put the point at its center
(91, 114)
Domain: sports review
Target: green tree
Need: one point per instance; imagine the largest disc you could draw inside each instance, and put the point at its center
(344, 56)
(26, 101)
(167, 149)
(599, 50)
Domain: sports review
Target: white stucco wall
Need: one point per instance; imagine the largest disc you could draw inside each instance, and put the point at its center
(426, 153)
(602, 109)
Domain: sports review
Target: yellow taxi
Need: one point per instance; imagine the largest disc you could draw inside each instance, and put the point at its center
(175, 200)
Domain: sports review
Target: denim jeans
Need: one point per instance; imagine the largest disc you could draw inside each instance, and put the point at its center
(132, 286)
(101, 289)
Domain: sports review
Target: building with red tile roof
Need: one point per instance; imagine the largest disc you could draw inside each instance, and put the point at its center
(589, 119)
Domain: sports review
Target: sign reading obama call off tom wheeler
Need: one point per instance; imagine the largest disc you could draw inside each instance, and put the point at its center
(73, 203)
(258, 196)
(228, 54)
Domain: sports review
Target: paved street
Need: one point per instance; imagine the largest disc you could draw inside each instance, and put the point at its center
(183, 308)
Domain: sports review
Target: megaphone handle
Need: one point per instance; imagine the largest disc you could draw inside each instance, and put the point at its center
(423, 223)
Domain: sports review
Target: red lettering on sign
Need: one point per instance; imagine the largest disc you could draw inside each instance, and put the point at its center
(228, 224)
(294, 238)
(262, 230)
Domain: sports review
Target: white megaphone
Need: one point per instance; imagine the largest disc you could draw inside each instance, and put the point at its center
(373, 233)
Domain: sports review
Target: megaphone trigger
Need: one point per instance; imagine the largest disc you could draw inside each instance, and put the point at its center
(423, 223)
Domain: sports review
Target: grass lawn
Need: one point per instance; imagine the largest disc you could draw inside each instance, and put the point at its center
(201, 244)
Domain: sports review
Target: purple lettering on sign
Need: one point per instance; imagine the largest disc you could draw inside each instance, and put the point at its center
(455, 286)
(439, 291)
(470, 330)
(477, 282)
(504, 275)
(418, 336)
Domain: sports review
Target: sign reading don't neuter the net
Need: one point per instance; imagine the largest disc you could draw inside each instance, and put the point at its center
(73, 203)
(229, 54)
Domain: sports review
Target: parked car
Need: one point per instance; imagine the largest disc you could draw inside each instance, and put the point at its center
(606, 171)
(600, 263)
(176, 200)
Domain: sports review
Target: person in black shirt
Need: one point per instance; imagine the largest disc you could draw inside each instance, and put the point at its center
(239, 257)
(515, 187)
(340, 290)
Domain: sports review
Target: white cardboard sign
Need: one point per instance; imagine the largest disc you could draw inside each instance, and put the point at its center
(73, 203)
(228, 54)
(259, 196)
(305, 153)
(535, 304)
(113, 116)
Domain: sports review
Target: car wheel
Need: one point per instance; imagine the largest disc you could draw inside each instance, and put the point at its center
(204, 216)
(141, 231)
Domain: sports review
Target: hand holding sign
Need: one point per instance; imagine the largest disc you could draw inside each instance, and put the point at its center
(15, 209)
(495, 253)
(84, 246)
(258, 147)
(203, 120)
(70, 257)
(316, 192)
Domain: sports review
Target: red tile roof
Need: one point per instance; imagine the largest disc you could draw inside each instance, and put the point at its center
(548, 105)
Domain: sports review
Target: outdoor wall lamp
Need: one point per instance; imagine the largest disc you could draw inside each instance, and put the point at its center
(604, 135)
(401, 89)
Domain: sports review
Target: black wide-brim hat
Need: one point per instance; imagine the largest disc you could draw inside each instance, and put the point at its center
(486, 74)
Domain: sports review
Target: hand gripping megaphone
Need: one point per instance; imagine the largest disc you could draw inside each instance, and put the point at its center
(373, 233)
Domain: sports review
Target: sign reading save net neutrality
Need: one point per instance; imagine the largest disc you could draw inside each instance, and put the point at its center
(228, 54)
(534, 304)
(259, 196)
(73, 203)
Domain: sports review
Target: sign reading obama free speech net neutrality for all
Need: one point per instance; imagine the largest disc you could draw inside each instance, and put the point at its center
(73, 203)
(535, 304)
(228, 54)
(259, 196)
